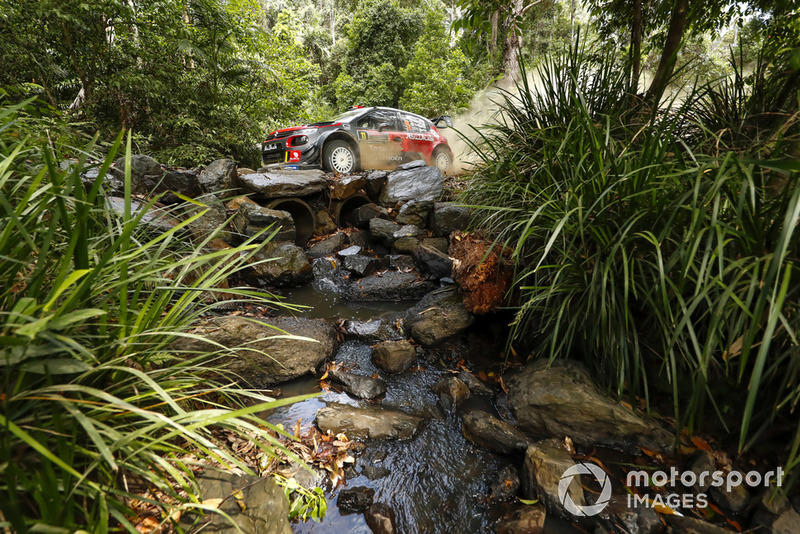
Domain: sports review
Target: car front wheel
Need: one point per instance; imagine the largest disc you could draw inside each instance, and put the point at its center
(443, 160)
(338, 156)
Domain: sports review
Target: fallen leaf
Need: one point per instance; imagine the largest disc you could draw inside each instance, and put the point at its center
(701, 444)
(213, 503)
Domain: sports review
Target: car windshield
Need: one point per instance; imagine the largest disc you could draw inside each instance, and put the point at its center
(349, 114)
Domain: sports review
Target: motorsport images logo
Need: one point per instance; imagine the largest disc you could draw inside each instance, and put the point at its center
(576, 471)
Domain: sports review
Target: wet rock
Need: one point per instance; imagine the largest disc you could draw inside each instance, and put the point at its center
(347, 186)
(380, 519)
(375, 472)
(219, 177)
(394, 356)
(213, 218)
(382, 230)
(522, 519)
(349, 251)
(489, 432)
(157, 218)
(324, 267)
(373, 331)
(362, 265)
(359, 238)
(391, 286)
(373, 422)
(405, 244)
(419, 183)
(506, 485)
(355, 500)
(482, 271)
(431, 260)
(327, 246)
(639, 520)
(448, 217)
(788, 522)
(375, 182)
(258, 356)
(442, 244)
(545, 463)
(284, 184)
(262, 508)
(415, 213)
(363, 387)
(408, 230)
(401, 262)
(688, 525)
(563, 401)
(437, 317)
(452, 392)
(277, 264)
(475, 386)
(170, 185)
(734, 500)
(362, 215)
(252, 219)
(325, 223)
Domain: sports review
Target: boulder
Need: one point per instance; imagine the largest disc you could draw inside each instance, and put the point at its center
(438, 316)
(282, 184)
(733, 501)
(157, 218)
(401, 262)
(420, 183)
(362, 265)
(325, 223)
(405, 245)
(362, 215)
(363, 387)
(143, 169)
(563, 401)
(414, 164)
(170, 185)
(408, 230)
(448, 217)
(355, 500)
(482, 270)
(260, 355)
(380, 519)
(213, 218)
(327, 246)
(545, 464)
(324, 267)
(522, 519)
(475, 386)
(376, 180)
(277, 264)
(415, 212)
(390, 286)
(372, 422)
(373, 331)
(442, 244)
(252, 219)
(352, 250)
(452, 392)
(375, 472)
(382, 230)
(219, 177)
(260, 505)
(491, 433)
(346, 186)
(506, 485)
(431, 260)
(394, 356)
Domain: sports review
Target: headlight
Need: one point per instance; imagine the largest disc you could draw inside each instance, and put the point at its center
(299, 140)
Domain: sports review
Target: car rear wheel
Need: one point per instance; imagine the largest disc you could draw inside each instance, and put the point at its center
(443, 160)
(338, 156)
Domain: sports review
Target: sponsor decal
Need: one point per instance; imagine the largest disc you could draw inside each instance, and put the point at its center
(294, 155)
(420, 137)
(269, 148)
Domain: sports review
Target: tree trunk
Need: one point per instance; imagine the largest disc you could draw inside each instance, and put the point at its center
(495, 22)
(513, 44)
(666, 65)
(636, 46)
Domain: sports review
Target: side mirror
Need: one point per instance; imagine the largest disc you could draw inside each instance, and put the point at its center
(445, 121)
(383, 126)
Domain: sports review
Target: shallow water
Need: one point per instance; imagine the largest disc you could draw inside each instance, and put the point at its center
(330, 305)
(438, 481)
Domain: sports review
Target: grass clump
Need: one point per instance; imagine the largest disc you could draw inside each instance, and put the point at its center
(666, 261)
(92, 401)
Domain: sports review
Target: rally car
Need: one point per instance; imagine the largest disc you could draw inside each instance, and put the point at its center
(361, 138)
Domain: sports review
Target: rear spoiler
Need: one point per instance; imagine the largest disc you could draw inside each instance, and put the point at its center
(448, 122)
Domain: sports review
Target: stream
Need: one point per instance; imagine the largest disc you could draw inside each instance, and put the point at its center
(437, 482)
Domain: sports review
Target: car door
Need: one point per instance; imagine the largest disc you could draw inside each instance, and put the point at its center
(380, 141)
(418, 139)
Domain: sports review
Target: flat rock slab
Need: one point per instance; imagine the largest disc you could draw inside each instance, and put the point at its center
(285, 184)
(373, 422)
(420, 184)
(262, 354)
(438, 316)
(363, 387)
(389, 286)
(545, 464)
(489, 432)
(265, 509)
(563, 401)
